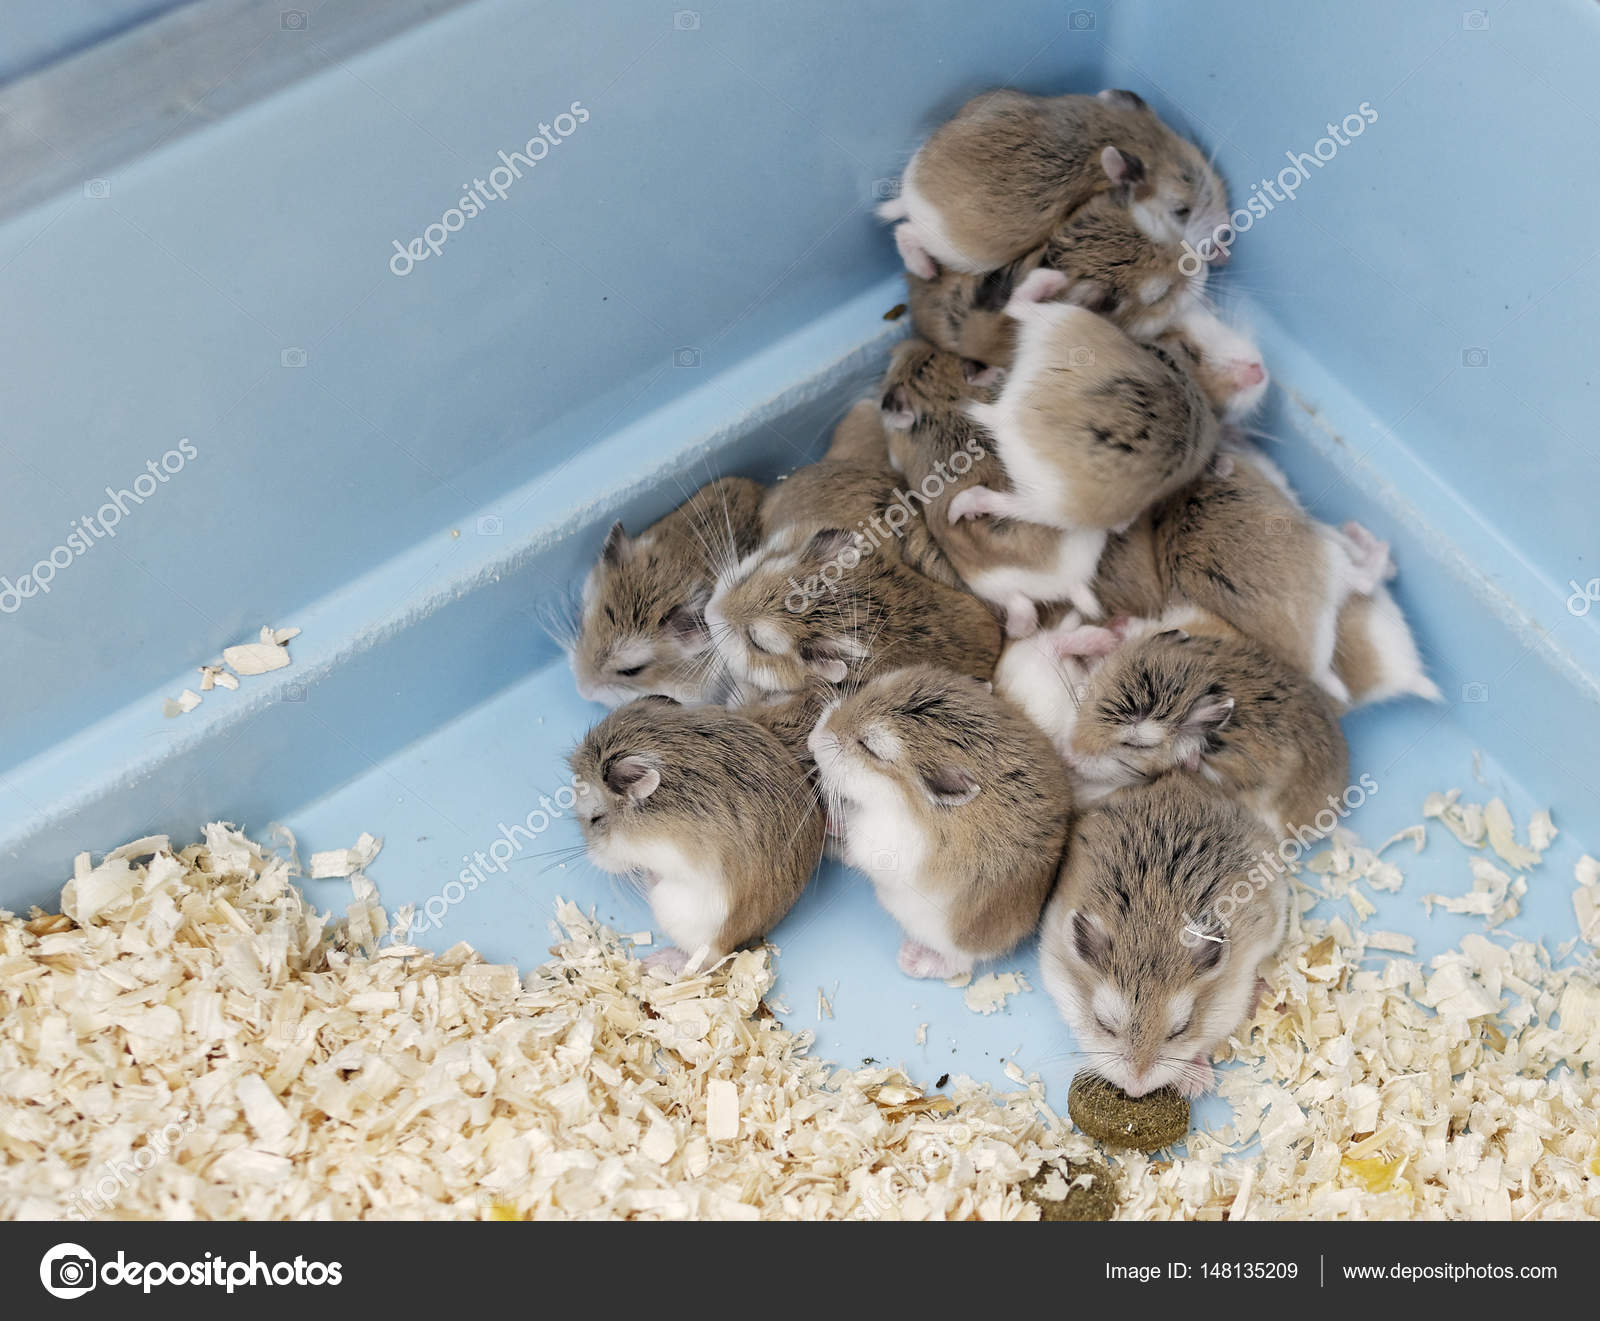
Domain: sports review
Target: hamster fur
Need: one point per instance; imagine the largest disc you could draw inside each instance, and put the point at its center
(1091, 428)
(954, 806)
(833, 609)
(1374, 654)
(1189, 692)
(1150, 945)
(992, 182)
(703, 805)
(941, 450)
(642, 625)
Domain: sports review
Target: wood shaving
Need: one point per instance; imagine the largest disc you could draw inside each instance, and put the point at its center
(1503, 836)
(1495, 896)
(988, 994)
(305, 1070)
(922, 1034)
(185, 702)
(255, 657)
(1586, 899)
(345, 862)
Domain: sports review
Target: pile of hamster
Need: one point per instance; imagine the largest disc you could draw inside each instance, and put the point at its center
(1042, 643)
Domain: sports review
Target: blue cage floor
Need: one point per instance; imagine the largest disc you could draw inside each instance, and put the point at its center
(445, 797)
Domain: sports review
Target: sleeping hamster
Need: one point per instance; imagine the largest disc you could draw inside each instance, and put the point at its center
(1151, 943)
(994, 180)
(952, 803)
(642, 627)
(705, 806)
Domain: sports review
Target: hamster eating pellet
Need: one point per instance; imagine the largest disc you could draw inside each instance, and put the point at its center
(941, 451)
(833, 609)
(1188, 691)
(706, 807)
(994, 180)
(952, 803)
(1091, 428)
(642, 627)
(1150, 945)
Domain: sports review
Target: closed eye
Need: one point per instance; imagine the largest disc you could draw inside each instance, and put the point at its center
(756, 643)
(868, 749)
(630, 671)
(1178, 1031)
(1103, 1025)
(1181, 212)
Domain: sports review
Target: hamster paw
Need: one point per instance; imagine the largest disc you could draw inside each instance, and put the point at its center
(1039, 286)
(915, 256)
(669, 961)
(1369, 555)
(919, 961)
(974, 502)
(1022, 617)
(1087, 640)
(1198, 1077)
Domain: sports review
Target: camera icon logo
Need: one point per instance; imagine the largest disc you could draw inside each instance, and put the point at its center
(884, 190)
(490, 525)
(1474, 692)
(686, 357)
(1475, 20)
(97, 188)
(1474, 357)
(293, 358)
(294, 20)
(1081, 355)
(294, 692)
(67, 1271)
(1081, 20)
(686, 20)
(885, 860)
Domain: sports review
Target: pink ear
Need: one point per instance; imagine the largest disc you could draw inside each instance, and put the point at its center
(1121, 167)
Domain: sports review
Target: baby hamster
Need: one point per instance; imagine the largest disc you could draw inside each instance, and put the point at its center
(1374, 654)
(1188, 691)
(995, 179)
(1238, 543)
(705, 807)
(642, 627)
(1151, 943)
(941, 451)
(1091, 428)
(952, 803)
(833, 608)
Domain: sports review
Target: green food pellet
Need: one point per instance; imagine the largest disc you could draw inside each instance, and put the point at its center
(1103, 1110)
(1096, 1202)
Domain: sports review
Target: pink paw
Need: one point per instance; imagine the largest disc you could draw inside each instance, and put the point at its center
(919, 961)
(915, 256)
(1369, 556)
(669, 961)
(974, 502)
(1040, 286)
(1198, 1077)
(1087, 640)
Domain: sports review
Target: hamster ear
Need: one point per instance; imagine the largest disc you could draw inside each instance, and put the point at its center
(994, 290)
(1206, 947)
(1209, 715)
(830, 541)
(618, 549)
(686, 620)
(1122, 99)
(977, 373)
(1123, 168)
(1175, 634)
(1090, 940)
(633, 776)
(950, 786)
(898, 415)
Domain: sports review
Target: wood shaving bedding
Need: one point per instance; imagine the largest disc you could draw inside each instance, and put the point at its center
(308, 1068)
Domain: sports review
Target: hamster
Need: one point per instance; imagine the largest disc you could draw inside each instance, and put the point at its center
(1090, 427)
(1150, 945)
(1237, 543)
(1374, 654)
(1189, 692)
(952, 803)
(642, 624)
(704, 806)
(834, 609)
(996, 178)
(941, 451)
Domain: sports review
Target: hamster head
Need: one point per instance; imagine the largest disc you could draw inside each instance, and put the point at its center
(626, 785)
(1152, 706)
(919, 744)
(1151, 945)
(925, 384)
(784, 617)
(643, 626)
(1174, 198)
